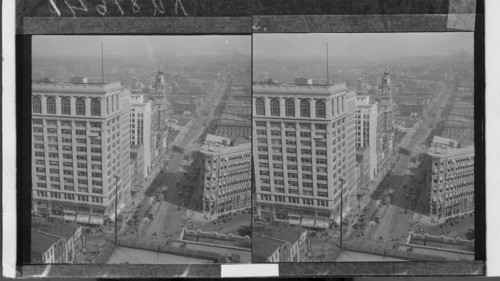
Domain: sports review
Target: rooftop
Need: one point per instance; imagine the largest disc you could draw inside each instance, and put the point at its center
(442, 152)
(263, 247)
(300, 89)
(75, 87)
(64, 230)
(41, 242)
(267, 239)
(444, 141)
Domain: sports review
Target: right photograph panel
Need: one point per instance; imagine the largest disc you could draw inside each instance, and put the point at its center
(363, 147)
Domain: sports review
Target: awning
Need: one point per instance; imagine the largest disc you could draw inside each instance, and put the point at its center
(322, 224)
(307, 222)
(96, 220)
(68, 217)
(336, 219)
(82, 219)
(294, 221)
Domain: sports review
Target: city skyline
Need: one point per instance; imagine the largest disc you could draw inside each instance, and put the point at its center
(358, 46)
(145, 47)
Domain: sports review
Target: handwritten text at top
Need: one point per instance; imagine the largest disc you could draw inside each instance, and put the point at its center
(104, 7)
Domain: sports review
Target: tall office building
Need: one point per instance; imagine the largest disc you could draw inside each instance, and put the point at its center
(226, 186)
(385, 127)
(80, 149)
(303, 145)
(450, 178)
(366, 129)
(140, 127)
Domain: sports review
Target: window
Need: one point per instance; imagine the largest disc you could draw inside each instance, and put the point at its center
(37, 105)
(289, 108)
(320, 109)
(275, 107)
(51, 105)
(260, 109)
(95, 107)
(338, 104)
(304, 108)
(65, 108)
(80, 106)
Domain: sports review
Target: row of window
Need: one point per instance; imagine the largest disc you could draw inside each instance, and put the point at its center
(294, 175)
(68, 156)
(302, 126)
(95, 106)
(295, 191)
(58, 195)
(294, 200)
(305, 107)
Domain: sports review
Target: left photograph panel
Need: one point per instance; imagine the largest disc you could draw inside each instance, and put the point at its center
(141, 149)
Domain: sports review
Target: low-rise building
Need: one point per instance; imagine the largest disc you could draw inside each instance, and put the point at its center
(234, 127)
(238, 108)
(55, 243)
(273, 244)
(460, 128)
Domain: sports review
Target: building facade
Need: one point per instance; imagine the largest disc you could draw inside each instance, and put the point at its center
(80, 148)
(459, 128)
(366, 129)
(140, 128)
(450, 180)
(227, 178)
(385, 127)
(303, 151)
(234, 127)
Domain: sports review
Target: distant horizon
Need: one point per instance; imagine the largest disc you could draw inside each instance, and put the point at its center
(147, 47)
(360, 46)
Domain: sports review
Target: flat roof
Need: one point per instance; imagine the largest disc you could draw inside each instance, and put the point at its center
(300, 89)
(74, 87)
(443, 140)
(41, 242)
(65, 230)
(264, 247)
(136, 256)
(450, 152)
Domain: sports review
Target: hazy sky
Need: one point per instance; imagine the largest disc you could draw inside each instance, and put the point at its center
(362, 45)
(151, 47)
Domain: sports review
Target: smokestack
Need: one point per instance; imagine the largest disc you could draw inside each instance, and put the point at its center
(102, 62)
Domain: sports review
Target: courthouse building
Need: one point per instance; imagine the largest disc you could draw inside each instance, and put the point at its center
(80, 149)
(304, 152)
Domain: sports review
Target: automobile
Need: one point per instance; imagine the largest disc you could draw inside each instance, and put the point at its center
(407, 195)
(405, 185)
